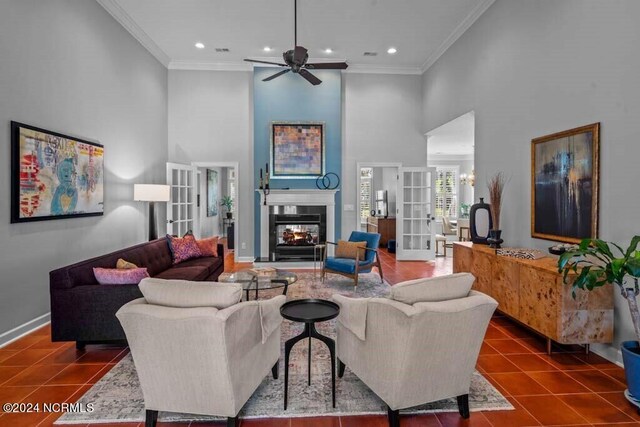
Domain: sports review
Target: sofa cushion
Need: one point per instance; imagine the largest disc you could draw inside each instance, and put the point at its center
(440, 288)
(196, 273)
(186, 294)
(346, 265)
(212, 264)
(125, 265)
(118, 276)
(183, 248)
(208, 246)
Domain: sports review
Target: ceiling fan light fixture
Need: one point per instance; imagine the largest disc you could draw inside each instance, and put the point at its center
(392, 50)
(199, 45)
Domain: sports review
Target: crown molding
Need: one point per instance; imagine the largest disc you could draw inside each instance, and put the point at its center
(247, 66)
(209, 66)
(382, 69)
(455, 35)
(120, 15)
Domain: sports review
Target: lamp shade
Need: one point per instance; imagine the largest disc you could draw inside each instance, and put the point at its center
(151, 193)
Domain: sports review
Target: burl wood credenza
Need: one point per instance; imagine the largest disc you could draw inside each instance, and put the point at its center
(532, 292)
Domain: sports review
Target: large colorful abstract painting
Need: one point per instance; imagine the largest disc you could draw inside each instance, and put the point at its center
(54, 176)
(564, 193)
(297, 150)
(212, 192)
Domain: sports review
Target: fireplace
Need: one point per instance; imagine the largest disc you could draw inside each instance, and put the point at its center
(294, 231)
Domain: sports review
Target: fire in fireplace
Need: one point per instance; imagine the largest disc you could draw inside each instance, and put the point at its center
(293, 235)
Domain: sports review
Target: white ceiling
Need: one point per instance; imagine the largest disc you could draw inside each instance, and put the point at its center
(421, 30)
(453, 138)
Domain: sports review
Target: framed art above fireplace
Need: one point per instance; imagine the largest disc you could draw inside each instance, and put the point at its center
(297, 150)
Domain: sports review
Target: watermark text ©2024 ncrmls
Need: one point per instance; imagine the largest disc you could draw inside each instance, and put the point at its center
(55, 407)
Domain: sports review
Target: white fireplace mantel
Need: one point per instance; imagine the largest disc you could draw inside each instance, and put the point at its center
(295, 197)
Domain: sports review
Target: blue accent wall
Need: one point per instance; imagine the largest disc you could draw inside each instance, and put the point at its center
(292, 98)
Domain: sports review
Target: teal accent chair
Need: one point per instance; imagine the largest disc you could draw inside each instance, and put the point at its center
(353, 267)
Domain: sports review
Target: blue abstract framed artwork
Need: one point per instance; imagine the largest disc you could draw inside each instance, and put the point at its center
(212, 192)
(565, 180)
(54, 176)
(297, 150)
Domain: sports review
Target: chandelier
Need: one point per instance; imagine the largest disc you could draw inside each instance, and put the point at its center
(468, 179)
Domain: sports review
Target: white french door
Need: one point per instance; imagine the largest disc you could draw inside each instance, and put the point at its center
(181, 209)
(415, 226)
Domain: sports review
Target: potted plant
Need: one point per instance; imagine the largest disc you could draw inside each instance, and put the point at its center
(593, 265)
(496, 186)
(227, 202)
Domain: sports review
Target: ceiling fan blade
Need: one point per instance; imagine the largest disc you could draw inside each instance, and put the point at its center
(275, 75)
(266, 62)
(310, 77)
(327, 66)
(299, 55)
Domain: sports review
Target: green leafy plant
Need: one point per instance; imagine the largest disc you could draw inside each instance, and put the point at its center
(227, 202)
(594, 264)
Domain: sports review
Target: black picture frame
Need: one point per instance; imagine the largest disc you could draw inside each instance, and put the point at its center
(16, 216)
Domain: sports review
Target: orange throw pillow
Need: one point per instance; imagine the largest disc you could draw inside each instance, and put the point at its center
(347, 249)
(125, 265)
(208, 246)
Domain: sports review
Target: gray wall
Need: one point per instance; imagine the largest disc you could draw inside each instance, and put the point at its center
(530, 68)
(382, 123)
(68, 66)
(210, 120)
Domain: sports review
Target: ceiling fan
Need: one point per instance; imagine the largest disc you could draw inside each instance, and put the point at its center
(296, 59)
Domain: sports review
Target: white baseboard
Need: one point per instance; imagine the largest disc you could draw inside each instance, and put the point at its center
(24, 329)
(609, 352)
(246, 259)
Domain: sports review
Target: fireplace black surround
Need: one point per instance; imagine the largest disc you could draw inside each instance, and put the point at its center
(295, 230)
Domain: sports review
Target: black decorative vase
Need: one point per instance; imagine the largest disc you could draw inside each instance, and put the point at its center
(480, 222)
(229, 215)
(494, 239)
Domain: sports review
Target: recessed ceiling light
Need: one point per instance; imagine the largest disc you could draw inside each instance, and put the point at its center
(328, 50)
(267, 49)
(392, 50)
(199, 45)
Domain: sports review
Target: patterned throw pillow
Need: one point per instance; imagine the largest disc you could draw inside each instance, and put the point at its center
(347, 249)
(208, 246)
(183, 248)
(114, 276)
(125, 265)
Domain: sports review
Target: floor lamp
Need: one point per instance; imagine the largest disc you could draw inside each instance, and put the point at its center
(151, 193)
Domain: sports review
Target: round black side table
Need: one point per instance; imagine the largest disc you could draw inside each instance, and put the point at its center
(310, 311)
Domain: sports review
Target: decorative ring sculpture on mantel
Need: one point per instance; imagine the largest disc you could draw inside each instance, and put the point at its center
(326, 182)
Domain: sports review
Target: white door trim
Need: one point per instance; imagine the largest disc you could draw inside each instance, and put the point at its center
(359, 166)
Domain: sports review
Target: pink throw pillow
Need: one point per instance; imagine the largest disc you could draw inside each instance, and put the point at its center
(183, 248)
(208, 246)
(114, 276)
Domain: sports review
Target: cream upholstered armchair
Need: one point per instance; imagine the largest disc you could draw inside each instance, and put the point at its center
(197, 349)
(418, 346)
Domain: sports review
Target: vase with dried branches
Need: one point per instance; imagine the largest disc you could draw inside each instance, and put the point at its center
(496, 186)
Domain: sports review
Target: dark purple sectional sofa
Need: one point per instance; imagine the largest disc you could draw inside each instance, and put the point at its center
(84, 311)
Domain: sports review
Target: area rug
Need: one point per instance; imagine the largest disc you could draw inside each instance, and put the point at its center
(117, 397)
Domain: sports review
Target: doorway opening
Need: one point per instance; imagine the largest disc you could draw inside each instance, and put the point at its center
(451, 151)
(217, 208)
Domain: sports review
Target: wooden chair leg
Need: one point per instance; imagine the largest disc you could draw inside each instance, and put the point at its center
(151, 418)
(394, 417)
(463, 405)
(379, 264)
